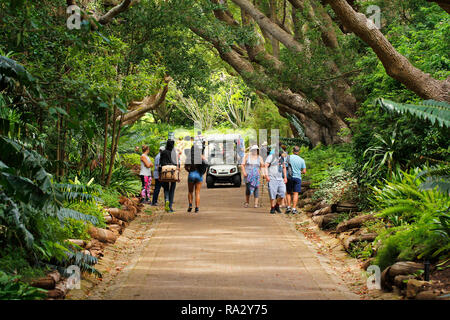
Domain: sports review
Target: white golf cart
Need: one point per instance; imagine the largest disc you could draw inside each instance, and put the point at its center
(224, 157)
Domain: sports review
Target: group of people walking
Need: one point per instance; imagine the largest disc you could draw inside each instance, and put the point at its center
(282, 171)
(167, 155)
(196, 165)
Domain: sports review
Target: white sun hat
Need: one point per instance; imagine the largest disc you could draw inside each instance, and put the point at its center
(254, 147)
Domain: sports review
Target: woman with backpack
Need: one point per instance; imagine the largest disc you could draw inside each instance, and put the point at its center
(169, 157)
(196, 165)
(252, 166)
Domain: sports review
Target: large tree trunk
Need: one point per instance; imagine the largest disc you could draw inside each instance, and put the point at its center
(395, 64)
(105, 144)
(113, 137)
(323, 118)
(322, 123)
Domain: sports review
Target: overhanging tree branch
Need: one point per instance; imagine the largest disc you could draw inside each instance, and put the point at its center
(111, 14)
(139, 108)
(395, 64)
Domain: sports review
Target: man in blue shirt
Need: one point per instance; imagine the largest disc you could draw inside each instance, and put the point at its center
(294, 184)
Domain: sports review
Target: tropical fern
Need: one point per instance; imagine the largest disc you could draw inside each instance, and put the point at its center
(430, 110)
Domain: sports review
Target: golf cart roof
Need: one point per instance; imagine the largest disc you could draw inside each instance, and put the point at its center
(223, 137)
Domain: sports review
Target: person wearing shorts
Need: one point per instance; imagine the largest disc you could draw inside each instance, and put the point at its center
(276, 178)
(294, 184)
(196, 166)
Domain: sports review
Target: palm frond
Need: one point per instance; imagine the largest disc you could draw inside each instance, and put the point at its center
(83, 261)
(65, 213)
(434, 111)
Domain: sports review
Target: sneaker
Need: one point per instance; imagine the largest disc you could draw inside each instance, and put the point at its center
(167, 208)
(294, 211)
(155, 204)
(245, 204)
(196, 209)
(288, 210)
(277, 209)
(190, 208)
(171, 210)
(272, 211)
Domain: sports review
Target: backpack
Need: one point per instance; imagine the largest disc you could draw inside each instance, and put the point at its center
(289, 170)
(169, 173)
(202, 168)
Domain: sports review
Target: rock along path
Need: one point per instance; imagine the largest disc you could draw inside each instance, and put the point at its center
(225, 252)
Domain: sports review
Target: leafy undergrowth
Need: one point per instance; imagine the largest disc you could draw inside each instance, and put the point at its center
(413, 217)
(418, 221)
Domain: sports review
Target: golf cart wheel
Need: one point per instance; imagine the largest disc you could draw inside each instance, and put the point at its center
(209, 182)
(237, 181)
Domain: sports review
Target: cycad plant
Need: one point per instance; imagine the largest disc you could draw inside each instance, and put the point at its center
(438, 113)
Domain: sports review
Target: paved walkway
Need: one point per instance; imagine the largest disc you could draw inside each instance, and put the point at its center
(226, 252)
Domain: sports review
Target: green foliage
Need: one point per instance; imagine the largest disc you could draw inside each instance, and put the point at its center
(321, 159)
(32, 206)
(266, 116)
(382, 141)
(339, 185)
(11, 288)
(436, 177)
(124, 181)
(15, 260)
(361, 250)
(110, 198)
(418, 220)
(419, 33)
(130, 160)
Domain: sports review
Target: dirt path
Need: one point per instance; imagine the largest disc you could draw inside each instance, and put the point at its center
(224, 252)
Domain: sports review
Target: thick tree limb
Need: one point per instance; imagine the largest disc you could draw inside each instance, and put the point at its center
(111, 14)
(324, 21)
(395, 64)
(269, 26)
(295, 102)
(139, 108)
(107, 17)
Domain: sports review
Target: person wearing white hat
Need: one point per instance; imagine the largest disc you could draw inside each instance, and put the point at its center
(252, 166)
